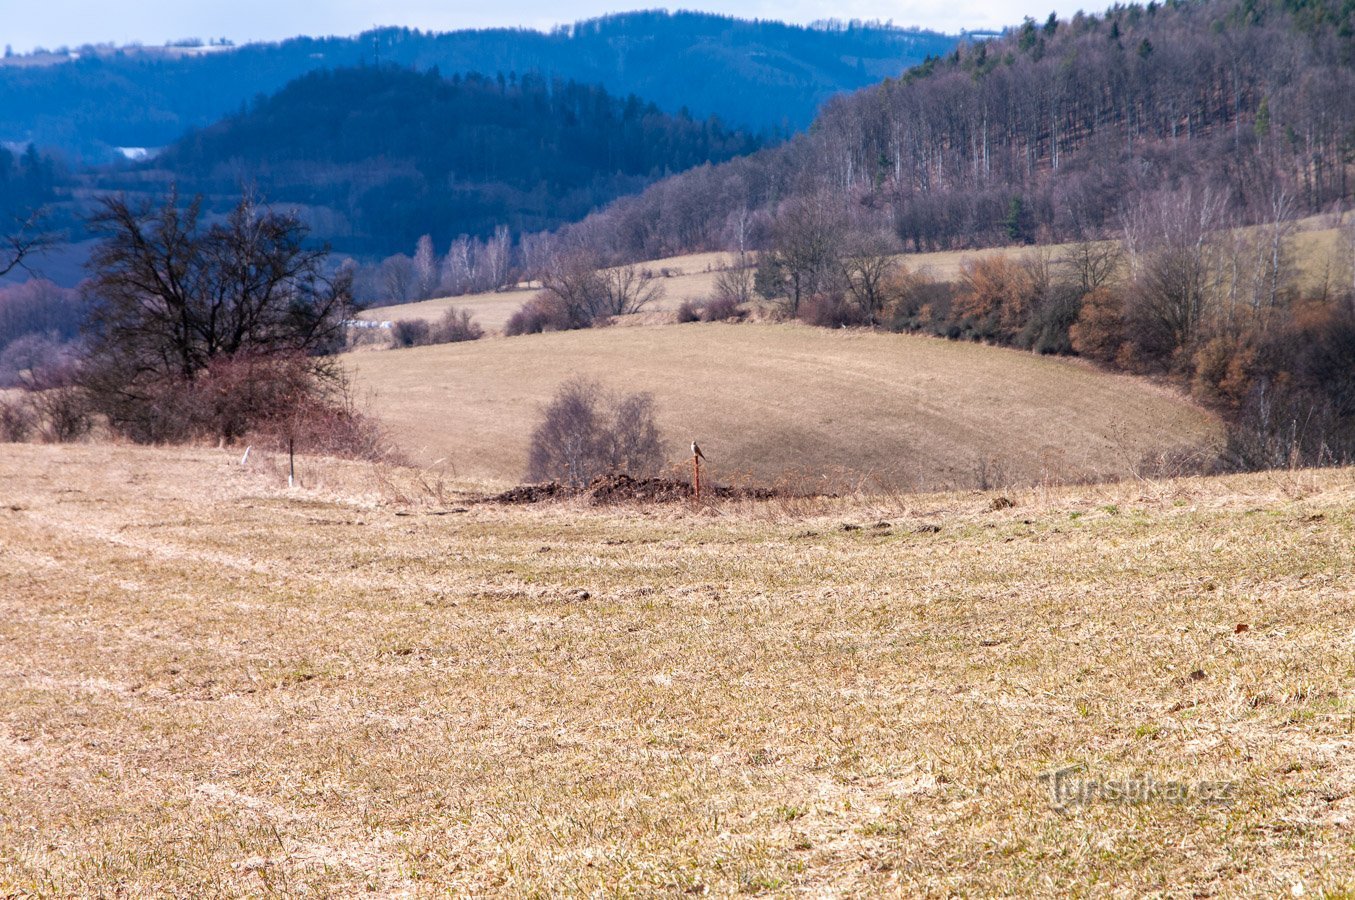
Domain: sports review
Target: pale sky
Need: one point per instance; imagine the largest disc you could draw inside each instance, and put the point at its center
(26, 24)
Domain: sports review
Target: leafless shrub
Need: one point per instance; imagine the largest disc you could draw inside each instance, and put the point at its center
(63, 414)
(455, 325)
(688, 311)
(734, 285)
(410, 333)
(831, 310)
(18, 420)
(587, 431)
(544, 312)
(721, 309)
(717, 309)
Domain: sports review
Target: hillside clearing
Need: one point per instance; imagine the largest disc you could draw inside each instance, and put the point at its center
(771, 403)
(212, 685)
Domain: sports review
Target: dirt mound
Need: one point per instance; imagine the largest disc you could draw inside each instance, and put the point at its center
(620, 488)
(533, 493)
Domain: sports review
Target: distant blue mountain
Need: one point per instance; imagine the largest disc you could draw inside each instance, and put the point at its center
(767, 76)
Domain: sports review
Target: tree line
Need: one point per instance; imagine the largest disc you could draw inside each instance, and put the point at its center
(1049, 132)
(379, 155)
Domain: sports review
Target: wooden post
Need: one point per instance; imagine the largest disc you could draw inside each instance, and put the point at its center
(291, 461)
(696, 468)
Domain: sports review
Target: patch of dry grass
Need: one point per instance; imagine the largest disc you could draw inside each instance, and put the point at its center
(690, 277)
(823, 409)
(212, 685)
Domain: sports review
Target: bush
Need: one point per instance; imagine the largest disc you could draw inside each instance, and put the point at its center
(410, 333)
(717, 309)
(63, 413)
(831, 310)
(689, 311)
(544, 312)
(721, 309)
(18, 420)
(1099, 332)
(996, 297)
(455, 325)
(586, 432)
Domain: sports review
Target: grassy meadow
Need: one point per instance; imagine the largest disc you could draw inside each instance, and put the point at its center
(789, 404)
(213, 685)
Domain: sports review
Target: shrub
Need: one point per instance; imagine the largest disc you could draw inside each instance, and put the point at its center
(544, 312)
(1047, 330)
(720, 309)
(717, 309)
(456, 325)
(63, 413)
(689, 311)
(410, 333)
(831, 310)
(586, 432)
(996, 296)
(18, 420)
(1099, 332)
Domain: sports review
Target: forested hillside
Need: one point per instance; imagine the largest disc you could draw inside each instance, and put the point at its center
(384, 155)
(1051, 131)
(765, 75)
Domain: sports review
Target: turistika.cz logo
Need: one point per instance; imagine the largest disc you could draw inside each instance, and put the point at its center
(1070, 786)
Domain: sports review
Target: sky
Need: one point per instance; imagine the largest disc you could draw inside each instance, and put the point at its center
(54, 23)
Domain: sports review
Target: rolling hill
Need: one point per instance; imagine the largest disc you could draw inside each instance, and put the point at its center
(763, 74)
(381, 155)
(814, 408)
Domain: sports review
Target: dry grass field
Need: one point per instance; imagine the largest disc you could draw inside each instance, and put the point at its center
(689, 277)
(772, 402)
(211, 685)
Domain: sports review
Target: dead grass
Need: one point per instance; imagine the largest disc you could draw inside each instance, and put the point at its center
(210, 685)
(690, 277)
(820, 409)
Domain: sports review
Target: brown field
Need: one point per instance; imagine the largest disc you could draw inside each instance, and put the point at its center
(823, 408)
(213, 686)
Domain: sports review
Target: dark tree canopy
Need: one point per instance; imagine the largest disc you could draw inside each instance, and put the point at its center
(394, 154)
(170, 294)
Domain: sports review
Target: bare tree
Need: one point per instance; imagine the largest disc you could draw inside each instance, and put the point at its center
(867, 269)
(626, 290)
(1178, 268)
(425, 269)
(24, 242)
(498, 256)
(587, 431)
(806, 247)
(589, 293)
(399, 279)
(1089, 265)
(170, 297)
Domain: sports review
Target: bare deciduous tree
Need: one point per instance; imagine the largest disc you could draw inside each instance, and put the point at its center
(426, 275)
(23, 242)
(170, 298)
(586, 432)
(399, 279)
(868, 269)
